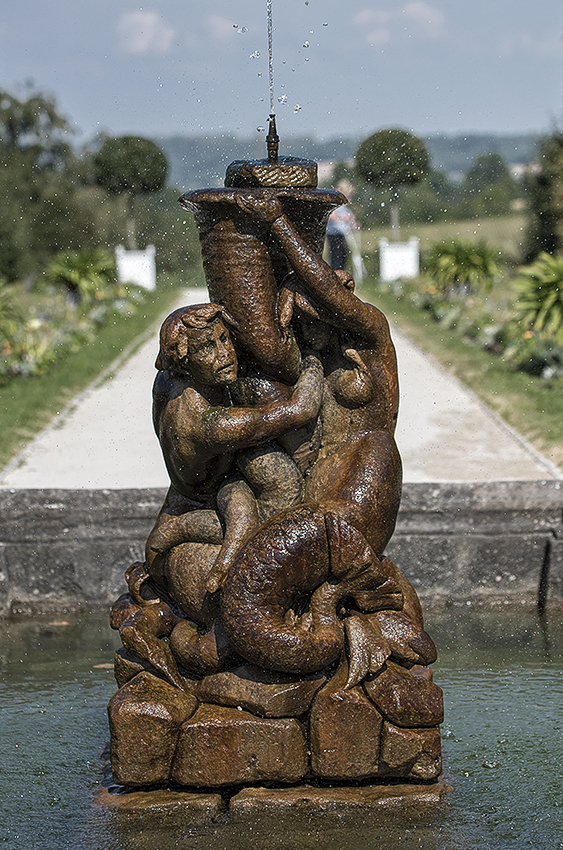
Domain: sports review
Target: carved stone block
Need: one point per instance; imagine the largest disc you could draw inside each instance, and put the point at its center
(145, 717)
(345, 730)
(410, 753)
(224, 746)
(404, 699)
(262, 692)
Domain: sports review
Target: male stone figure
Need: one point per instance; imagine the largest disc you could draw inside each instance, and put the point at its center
(209, 501)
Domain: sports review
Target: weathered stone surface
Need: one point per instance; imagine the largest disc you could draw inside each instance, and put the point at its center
(224, 746)
(404, 699)
(410, 753)
(407, 642)
(421, 672)
(344, 731)
(307, 799)
(288, 171)
(126, 666)
(200, 808)
(145, 717)
(89, 537)
(262, 692)
(553, 568)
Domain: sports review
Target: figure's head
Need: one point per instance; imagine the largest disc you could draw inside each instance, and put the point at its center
(313, 323)
(195, 341)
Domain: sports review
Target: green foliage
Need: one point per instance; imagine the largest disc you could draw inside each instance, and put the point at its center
(88, 274)
(545, 196)
(392, 158)
(34, 126)
(59, 322)
(130, 164)
(10, 316)
(35, 155)
(488, 187)
(52, 203)
(487, 169)
(459, 263)
(539, 289)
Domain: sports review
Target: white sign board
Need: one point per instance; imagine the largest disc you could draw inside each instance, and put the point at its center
(399, 259)
(138, 267)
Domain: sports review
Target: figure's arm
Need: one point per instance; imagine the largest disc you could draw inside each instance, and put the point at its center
(319, 279)
(226, 429)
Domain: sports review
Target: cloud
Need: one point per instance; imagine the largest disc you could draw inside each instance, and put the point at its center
(417, 20)
(376, 26)
(430, 22)
(545, 44)
(144, 32)
(222, 28)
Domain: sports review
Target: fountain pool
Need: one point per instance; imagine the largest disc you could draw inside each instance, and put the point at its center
(501, 670)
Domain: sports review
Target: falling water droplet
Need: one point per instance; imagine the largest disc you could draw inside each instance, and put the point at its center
(270, 53)
(296, 108)
(260, 129)
(305, 44)
(282, 98)
(325, 25)
(255, 55)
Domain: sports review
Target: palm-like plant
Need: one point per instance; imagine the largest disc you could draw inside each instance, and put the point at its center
(87, 274)
(10, 316)
(539, 289)
(462, 264)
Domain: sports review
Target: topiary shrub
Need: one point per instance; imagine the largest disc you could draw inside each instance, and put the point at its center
(460, 266)
(539, 290)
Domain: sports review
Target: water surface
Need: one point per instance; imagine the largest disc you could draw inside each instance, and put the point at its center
(501, 672)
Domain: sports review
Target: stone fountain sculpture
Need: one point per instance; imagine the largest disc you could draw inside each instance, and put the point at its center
(266, 637)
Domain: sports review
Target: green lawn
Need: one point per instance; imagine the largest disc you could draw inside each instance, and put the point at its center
(532, 406)
(504, 232)
(28, 404)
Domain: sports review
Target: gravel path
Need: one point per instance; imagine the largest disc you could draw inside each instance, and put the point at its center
(104, 439)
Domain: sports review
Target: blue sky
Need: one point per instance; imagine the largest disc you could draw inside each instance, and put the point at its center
(341, 68)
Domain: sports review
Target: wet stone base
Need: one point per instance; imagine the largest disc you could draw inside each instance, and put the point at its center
(201, 808)
(386, 729)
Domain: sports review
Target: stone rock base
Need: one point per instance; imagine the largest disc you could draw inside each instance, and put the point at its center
(387, 729)
(201, 808)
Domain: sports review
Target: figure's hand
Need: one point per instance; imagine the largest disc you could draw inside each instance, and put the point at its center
(308, 392)
(265, 210)
(217, 577)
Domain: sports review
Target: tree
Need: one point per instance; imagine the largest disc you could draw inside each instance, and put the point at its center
(390, 159)
(35, 127)
(130, 166)
(489, 185)
(545, 195)
(35, 156)
(86, 274)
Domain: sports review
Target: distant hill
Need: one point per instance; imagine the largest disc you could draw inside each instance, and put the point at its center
(456, 153)
(199, 161)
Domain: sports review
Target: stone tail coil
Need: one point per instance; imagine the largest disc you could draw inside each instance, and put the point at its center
(281, 602)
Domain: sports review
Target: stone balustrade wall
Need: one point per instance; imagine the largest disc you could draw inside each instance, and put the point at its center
(502, 541)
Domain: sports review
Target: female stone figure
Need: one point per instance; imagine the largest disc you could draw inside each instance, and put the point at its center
(332, 546)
